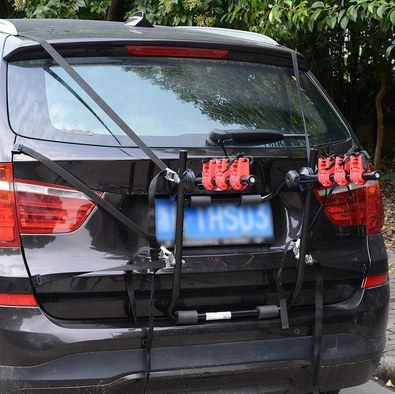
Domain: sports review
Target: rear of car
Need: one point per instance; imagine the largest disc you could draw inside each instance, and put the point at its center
(172, 87)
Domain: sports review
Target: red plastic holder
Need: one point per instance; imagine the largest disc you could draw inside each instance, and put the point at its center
(326, 167)
(222, 174)
(340, 175)
(357, 169)
(239, 171)
(208, 174)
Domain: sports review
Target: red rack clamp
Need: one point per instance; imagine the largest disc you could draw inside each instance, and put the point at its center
(239, 172)
(222, 174)
(326, 167)
(340, 175)
(208, 174)
(357, 169)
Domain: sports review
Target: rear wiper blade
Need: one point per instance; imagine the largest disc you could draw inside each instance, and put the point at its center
(248, 135)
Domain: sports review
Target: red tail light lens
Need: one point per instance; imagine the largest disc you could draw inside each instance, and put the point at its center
(361, 205)
(375, 280)
(177, 52)
(18, 299)
(50, 209)
(8, 220)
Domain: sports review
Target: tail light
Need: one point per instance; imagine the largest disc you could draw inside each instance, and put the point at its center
(50, 209)
(17, 299)
(38, 208)
(9, 235)
(355, 206)
(375, 280)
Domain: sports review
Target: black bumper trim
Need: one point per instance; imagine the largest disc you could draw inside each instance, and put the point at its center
(106, 367)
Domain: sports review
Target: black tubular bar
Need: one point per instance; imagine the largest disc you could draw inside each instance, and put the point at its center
(260, 312)
(183, 156)
(367, 176)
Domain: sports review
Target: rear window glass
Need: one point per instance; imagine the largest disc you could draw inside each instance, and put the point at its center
(183, 99)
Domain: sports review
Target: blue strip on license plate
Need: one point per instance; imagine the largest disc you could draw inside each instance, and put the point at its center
(216, 224)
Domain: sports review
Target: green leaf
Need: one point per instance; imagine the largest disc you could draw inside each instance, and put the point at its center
(392, 17)
(318, 4)
(389, 49)
(385, 24)
(271, 16)
(316, 14)
(311, 24)
(380, 11)
(344, 22)
(331, 21)
(288, 3)
(352, 13)
(341, 13)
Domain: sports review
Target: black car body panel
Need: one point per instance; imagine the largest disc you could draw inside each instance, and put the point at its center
(83, 324)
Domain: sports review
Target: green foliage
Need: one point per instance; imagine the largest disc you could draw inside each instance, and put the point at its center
(182, 12)
(91, 9)
(285, 18)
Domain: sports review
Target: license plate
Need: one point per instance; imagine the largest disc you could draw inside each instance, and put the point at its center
(218, 224)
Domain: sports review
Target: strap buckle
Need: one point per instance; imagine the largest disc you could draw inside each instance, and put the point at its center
(168, 257)
(16, 149)
(309, 259)
(172, 176)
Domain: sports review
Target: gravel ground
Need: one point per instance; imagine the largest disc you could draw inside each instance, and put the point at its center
(388, 189)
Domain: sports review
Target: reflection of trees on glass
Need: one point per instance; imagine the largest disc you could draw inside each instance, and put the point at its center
(250, 96)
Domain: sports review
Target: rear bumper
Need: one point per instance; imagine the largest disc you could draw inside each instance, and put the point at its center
(231, 356)
(282, 363)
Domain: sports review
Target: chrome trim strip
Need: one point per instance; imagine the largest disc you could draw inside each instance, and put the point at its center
(5, 186)
(48, 190)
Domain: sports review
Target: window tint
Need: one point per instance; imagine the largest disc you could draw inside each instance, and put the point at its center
(162, 98)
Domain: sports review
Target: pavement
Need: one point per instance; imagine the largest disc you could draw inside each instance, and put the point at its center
(372, 387)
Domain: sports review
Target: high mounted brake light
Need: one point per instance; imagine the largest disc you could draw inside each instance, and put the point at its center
(202, 53)
(355, 206)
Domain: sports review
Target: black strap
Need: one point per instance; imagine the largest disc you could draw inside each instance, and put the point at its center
(297, 77)
(150, 334)
(151, 225)
(39, 280)
(98, 100)
(280, 291)
(82, 187)
(132, 299)
(319, 306)
(179, 235)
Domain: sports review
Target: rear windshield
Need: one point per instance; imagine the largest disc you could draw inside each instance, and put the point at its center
(183, 99)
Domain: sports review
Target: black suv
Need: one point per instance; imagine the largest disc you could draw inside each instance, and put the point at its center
(74, 319)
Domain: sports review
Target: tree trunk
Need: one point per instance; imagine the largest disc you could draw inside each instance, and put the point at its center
(380, 119)
(117, 9)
